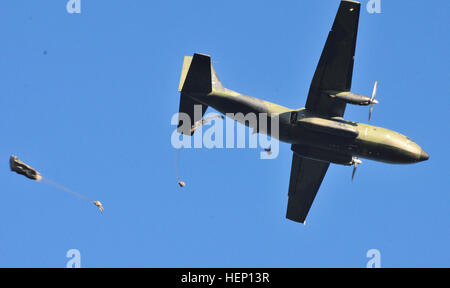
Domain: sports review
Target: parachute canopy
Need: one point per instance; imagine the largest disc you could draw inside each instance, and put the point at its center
(23, 169)
(99, 205)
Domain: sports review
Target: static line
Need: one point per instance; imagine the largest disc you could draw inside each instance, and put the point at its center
(177, 160)
(177, 164)
(60, 187)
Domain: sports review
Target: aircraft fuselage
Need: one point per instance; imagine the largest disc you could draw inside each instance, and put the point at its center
(322, 138)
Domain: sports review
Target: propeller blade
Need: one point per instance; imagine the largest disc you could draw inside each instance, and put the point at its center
(355, 162)
(374, 93)
(354, 171)
(372, 100)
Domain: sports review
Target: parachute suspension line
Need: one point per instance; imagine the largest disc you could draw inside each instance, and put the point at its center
(21, 168)
(60, 187)
(177, 166)
(177, 161)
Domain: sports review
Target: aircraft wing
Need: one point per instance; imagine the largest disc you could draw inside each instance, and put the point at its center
(306, 177)
(335, 68)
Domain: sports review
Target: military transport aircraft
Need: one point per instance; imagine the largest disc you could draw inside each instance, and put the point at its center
(318, 133)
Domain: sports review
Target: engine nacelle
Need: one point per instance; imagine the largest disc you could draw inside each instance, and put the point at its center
(353, 98)
(356, 99)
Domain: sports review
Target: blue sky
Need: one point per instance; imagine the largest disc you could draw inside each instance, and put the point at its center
(87, 100)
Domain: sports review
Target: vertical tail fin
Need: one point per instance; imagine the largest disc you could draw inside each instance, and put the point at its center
(198, 77)
(196, 74)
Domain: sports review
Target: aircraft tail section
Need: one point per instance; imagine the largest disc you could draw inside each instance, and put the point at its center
(198, 75)
(191, 111)
(198, 78)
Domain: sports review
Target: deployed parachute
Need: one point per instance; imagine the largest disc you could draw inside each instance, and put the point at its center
(193, 128)
(23, 169)
(99, 205)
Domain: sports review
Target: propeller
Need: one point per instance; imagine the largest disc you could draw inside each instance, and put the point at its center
(373, 100)
(355, 163)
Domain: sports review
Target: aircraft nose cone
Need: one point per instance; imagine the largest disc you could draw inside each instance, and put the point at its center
(424, 156)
